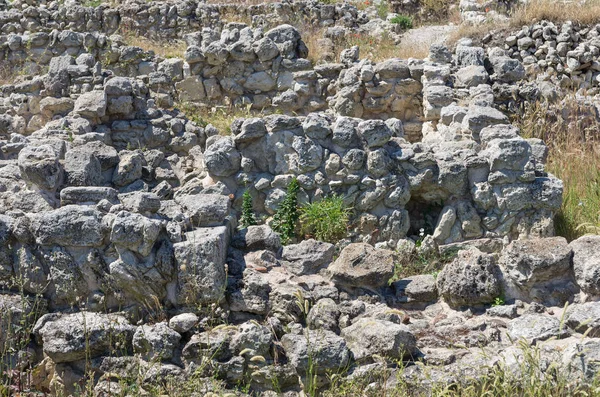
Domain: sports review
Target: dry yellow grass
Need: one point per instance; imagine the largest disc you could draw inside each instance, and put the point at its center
(161, 48)
(476, 32)
(582, 12)
(571, 132)
(374, 48)
(220, 117)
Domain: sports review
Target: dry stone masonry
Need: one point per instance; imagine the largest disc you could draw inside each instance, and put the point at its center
(119, 239)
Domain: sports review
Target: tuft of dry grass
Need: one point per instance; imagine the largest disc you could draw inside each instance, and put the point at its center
(475, 32)
(161, 48)
(583, 12)
(220, 117)
(571, 131)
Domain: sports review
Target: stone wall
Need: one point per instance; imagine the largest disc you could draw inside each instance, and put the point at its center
(168, 19)
(241, 66)
(491, 185)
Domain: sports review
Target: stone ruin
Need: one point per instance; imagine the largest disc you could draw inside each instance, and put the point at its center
(116, 209)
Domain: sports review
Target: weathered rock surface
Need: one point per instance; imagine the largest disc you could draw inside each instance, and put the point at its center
(362, 266)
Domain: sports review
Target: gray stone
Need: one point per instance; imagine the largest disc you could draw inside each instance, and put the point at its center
(200, 262)
(368, 337)
(82, 169)
(535, 327)
(471, 76)
(222, 158)
(327, 351)
(87, 195)
(118, 86)
(586, 263)
(72, 337)
(261, 237)
(527, 262)
(70, 226)
(361, 265)
(206, 209)
(506, 311)
(251, 129)
(155, 342)
(260, 82)
(324, 315)
(316, 126)
(254, 339)
(439, 53)
(307, 257)
(265, 49)
(471, 279)
(135, 232)
(392, 69)
(184, 322)
(507, 70)
(466, 56)
(39, 165)
(421, 288)
(479, 117)
(376, 133)
(91, 104)
(129, 168)
(251, 295)
(584, 318)
(310, 153)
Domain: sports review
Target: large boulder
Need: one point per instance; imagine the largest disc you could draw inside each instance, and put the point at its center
(535, 327)
(200, 262)
(307, 257)
(40, 166)
(361, 265)
(472, 278)
(586, 263)
(82, 168)
(250, 294)
(71, 337)
(91, 104)
(206, 209)
(368, 337)
(129, 168)
(135, 232)
(71, 225)
(222, 158)
(585, 318)
(507, 69)
(479, 117)
(260, 237)
(156, 341)
(538, 270)
(325, 350)
(324, 315)
(527, 262)
(17, 312)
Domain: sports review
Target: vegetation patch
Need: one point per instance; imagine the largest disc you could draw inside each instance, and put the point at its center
(325, 220)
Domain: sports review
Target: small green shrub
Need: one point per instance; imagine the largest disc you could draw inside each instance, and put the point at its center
(286, 218)
(499, 301)
(404, 21)
(247, 218)
(325, 220)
